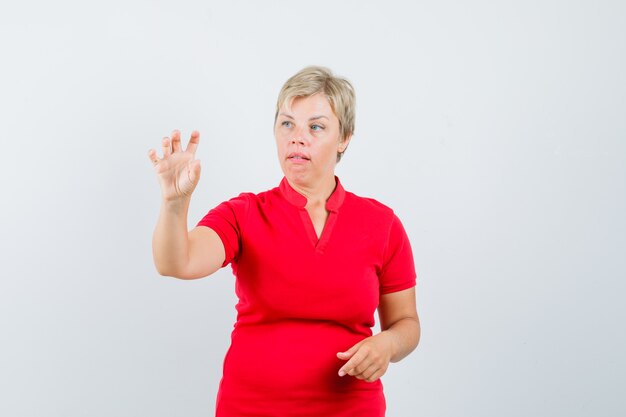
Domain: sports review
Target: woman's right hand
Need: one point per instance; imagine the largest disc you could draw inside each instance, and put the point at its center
(178, 172)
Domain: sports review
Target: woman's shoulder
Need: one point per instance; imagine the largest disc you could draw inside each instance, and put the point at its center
(369, 204)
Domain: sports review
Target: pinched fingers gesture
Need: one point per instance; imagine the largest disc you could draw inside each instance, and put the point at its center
(369, 359)
(178, 171)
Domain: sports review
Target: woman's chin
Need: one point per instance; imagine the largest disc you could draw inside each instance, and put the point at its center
(295, 169)
(297, 175)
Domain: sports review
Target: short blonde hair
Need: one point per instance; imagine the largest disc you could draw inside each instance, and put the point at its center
(339, 92)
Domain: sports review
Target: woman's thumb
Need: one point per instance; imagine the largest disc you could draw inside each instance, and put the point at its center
(194, 170)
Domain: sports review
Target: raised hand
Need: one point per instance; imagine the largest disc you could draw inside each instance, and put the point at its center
(178, 171)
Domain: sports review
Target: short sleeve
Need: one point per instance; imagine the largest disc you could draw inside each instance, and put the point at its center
(398, 270)
(227, 220)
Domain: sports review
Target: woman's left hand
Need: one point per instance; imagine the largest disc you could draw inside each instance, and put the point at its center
(368, 360)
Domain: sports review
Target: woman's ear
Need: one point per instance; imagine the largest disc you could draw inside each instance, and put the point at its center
(343, 145)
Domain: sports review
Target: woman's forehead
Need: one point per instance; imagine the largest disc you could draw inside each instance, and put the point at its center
(317, 104)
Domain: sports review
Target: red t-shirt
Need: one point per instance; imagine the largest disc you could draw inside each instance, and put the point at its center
(303, 299)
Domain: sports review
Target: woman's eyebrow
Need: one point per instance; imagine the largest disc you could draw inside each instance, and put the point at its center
(311, 118)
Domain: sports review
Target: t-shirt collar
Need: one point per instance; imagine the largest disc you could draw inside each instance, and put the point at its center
(332, 204)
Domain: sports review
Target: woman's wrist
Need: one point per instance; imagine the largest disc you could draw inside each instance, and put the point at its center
(176, 204)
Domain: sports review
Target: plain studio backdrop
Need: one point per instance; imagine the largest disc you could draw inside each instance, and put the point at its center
(496, 131)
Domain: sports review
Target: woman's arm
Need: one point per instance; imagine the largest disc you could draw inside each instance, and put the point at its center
(181, 254)
(398, 318)
(399, 336)
(177, 252)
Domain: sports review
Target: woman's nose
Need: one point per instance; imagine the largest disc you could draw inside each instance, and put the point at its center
(299, 136)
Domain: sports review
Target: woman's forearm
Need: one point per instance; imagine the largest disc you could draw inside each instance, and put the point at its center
(170, 242)
(405, 336)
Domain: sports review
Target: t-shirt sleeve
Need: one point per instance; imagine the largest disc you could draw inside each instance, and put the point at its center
(398, 269)
(227, 220)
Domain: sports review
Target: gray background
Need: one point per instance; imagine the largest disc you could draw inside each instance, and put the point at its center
(496, 130)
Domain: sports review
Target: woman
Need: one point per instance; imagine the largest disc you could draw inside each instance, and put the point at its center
(313, 262)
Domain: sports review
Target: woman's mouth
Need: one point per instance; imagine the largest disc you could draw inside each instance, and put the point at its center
(297, 156)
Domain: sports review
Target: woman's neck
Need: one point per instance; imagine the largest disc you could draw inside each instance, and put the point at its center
(318, 193)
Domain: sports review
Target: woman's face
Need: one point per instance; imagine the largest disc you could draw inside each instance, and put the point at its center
(308, 139)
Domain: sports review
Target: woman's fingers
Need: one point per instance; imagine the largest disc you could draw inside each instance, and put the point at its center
(152, 155)
(367, 360)
(166, 147)
(193, 142)
(170, 145)
(176, 141)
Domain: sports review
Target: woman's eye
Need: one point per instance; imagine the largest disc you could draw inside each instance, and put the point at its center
(286, 123)
(317, 127)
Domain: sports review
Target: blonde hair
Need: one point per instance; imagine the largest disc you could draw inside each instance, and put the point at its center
(339, 92)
